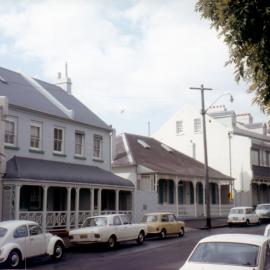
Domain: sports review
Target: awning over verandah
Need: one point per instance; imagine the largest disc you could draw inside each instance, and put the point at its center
(58, 194)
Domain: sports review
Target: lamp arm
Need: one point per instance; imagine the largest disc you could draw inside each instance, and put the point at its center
(225, 94)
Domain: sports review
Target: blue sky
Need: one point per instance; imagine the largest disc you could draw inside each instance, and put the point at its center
(130, 61)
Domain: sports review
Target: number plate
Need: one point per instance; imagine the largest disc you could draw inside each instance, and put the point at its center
(83, 236)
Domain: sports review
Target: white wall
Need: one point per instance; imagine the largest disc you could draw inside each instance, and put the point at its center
(217, 145)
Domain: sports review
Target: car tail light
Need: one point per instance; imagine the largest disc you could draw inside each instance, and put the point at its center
(157, 229)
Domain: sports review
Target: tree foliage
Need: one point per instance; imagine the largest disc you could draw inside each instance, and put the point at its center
(245, 26)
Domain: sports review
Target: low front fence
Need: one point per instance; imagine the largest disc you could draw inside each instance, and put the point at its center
(56, 220)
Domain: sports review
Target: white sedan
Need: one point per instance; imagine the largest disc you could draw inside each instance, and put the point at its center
(21, 239)
(108, 229)
(230, 251)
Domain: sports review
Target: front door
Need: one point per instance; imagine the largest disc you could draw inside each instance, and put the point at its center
(37, 238)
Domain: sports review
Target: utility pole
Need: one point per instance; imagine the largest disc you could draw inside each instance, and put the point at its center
(206, 174)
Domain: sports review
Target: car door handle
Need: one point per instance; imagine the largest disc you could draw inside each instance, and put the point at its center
(32, 239)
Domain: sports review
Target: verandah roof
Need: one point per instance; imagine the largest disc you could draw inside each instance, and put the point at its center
(38, 169)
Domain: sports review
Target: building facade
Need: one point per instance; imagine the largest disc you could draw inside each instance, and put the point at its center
(167, 180)
(56, 156)
(236, 146)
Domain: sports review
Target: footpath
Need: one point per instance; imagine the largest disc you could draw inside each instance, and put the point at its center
(200, 222)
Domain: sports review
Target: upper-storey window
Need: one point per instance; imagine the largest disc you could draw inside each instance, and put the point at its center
(179, 127)
(97, 146)
(255, 157)
(11, 131)
(58, 136)
(197, 125)
(35, 136)
(79, 143)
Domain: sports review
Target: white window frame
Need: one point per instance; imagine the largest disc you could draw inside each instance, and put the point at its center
(197, 122)
(80, 144)
(36, 125)
(179, 127)
(96, 136)
(62, 141)
(13, 120)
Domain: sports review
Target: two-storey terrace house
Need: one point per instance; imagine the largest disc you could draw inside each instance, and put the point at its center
(236, 146)
(55, 156)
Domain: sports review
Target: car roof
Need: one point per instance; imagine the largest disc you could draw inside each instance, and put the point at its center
(158, 213)
(108, 216)
(251, 239)
(242, 207)
(15, 223)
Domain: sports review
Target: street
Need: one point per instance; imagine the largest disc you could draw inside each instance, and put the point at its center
(168, 254)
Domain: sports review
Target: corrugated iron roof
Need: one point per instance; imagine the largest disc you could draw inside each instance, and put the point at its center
(160, 160)
(42, 170)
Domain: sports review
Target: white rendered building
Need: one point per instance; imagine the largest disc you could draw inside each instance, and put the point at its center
(236, 147)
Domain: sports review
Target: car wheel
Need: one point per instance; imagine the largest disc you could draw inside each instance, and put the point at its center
(112, 242)
(14, 259)
(182, 232)
(162, 234)
(140, 238)
(58, 251)
(229, 224)
(247, 222)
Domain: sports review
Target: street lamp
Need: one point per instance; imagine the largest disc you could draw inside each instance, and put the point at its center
(206, 174)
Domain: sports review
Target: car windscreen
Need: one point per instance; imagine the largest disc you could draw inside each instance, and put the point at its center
(226, 253)
(236, 211)
(95, 222)
(150, 218)
(3, 231)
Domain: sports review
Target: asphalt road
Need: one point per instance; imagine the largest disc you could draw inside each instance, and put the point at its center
(168, 254)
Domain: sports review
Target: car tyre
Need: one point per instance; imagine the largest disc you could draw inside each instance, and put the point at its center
(162, 234)
(58, 251)
(247, 222)
(112, 242)
(229, 224)
(140, 238)
(14, 259)
(182, 232)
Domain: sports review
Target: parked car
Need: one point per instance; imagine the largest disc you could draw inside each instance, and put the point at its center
(267, 231)
(21, 239)
(242, 215)
(163, 223)
(230, 251)
(263, 211)
(108, 229)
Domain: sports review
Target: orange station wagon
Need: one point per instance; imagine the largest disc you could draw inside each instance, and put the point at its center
(163, 223)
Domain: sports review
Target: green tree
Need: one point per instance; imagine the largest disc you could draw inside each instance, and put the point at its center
(245, 27)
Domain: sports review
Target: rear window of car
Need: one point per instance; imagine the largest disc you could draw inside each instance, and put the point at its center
(95, 222)
(150, 218)
(237, 211)
(239, 254)
(3, 231)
